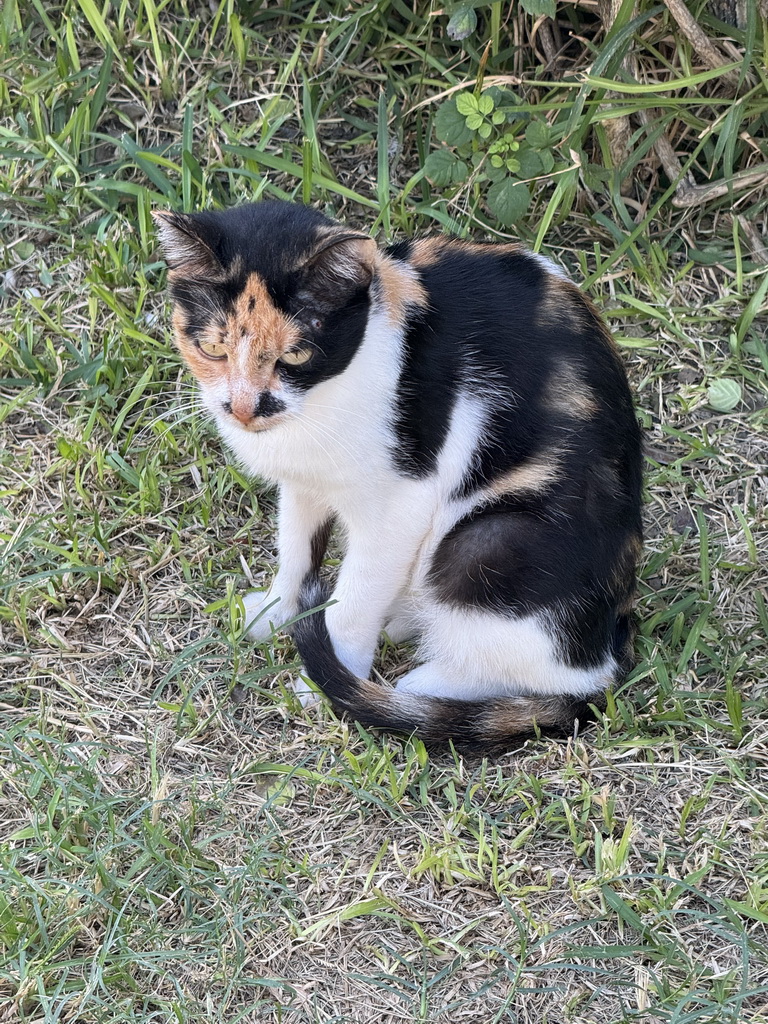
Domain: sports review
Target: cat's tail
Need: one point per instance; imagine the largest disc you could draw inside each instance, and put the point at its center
(495, 723)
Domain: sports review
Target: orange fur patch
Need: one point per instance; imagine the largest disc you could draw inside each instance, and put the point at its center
(510, 717)
(401, 290)
(562, 305)
(255, 335)
(533, 475)
(426, 252)
(566, 304)
(569, 395)
(257, 323)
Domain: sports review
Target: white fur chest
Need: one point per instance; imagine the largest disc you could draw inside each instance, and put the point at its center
(341, 438)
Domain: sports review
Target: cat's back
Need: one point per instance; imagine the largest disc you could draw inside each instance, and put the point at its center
(496, 299)
(507, 325)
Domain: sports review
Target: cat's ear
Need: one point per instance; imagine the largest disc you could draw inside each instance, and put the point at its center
(183, 247)
(343, 262)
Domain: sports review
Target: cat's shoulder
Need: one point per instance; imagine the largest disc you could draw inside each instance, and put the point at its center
(463, 275)
(435, 251)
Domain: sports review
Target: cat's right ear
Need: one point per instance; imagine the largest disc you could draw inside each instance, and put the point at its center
(185, 251)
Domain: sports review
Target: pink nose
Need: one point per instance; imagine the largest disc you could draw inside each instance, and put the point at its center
(245, 410)
(242, 410)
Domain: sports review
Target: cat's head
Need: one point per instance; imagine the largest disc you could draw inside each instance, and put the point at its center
(269, 299)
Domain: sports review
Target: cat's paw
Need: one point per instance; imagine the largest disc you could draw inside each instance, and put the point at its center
(263, 611)
(425, 680)
(307, 696)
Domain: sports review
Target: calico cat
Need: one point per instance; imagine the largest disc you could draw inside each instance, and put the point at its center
(460, 410)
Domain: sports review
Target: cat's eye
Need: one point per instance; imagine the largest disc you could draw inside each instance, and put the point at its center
(297, 356)
(213, 349)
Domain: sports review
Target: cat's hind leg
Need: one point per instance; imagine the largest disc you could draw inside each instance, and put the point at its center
(520, 600)
(403, 623)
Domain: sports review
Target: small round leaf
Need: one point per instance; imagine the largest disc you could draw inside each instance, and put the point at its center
(724, 394)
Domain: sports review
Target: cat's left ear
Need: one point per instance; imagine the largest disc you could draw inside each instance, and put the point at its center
(183, 247)
(344, 261)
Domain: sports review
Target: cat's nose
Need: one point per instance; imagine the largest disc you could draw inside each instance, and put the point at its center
(245, 412)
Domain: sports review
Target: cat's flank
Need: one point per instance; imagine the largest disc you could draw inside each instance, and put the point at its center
(460, 411)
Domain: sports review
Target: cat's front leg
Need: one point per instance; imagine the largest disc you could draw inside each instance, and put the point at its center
(302, 536)
(375, 571)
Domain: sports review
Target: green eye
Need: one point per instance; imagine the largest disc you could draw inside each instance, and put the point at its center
(213, 349)
(297, 357)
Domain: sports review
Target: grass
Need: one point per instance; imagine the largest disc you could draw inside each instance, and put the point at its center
(179, 840)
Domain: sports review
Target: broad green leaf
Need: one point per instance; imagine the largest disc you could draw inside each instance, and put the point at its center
(485, 104)
(496, 94)
(444, 168)
(495, 172)
(724, 394)
(451, 125)
(547, 160)
(508, 200)
(463, 23)
(474, 121)
(538, 7)
(529, 163)
(537, 135)
(466, 103)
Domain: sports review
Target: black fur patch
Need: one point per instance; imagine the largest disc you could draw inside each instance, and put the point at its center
(320, 544)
